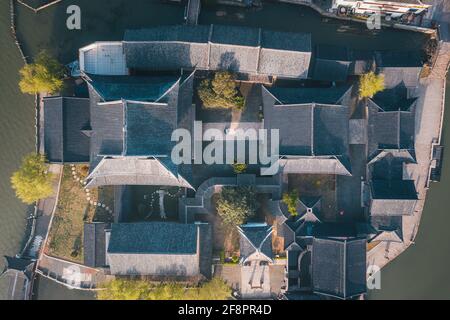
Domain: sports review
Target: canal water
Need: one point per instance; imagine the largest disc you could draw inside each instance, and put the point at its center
(16, 139)
(107, 20)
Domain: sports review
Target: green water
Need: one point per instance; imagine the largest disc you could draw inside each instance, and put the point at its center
(421, 271)
(16, 139)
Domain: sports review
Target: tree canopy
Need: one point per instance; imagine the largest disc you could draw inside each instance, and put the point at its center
(125, 289)
(370, 84)
(290, 199)
(239, 168)
(236, 205)
(221, 92)
(44, 75)
(32, 181)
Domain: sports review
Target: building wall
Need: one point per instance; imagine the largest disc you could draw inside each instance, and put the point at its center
(154, 264)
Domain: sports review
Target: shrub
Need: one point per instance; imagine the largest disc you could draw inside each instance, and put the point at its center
(370, 84)
(32, 182)
(239, 167)
(125, 289)
(221, 92)
(236, 205)
(44, 75)
(290, 199)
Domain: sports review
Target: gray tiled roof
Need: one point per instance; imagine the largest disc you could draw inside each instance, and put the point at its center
(388, 165)
(308, 129)
(113, 88)
(94, 244)
(327, 95)
(107, 128)
(388, 228)
(331, 63)
(135, 128)
(392, 197)
(135, 171)
(218, 47)
(255, 238)
(154, 248)
(153, 238)
(64, 120)
(149, 128)
(339, 267)
(390, 129)
(399, 68)
(394, 99)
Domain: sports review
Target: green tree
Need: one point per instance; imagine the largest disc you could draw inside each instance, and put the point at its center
(370, 84)
(126, 289)
(32, 181)
(239, 167)
(221, 92)
(290, 199)
(44, 75)
(121, 289)
(236, 205)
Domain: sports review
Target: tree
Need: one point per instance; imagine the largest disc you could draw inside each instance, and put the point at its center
(290, 199)
(32, 181)
(239, 167)
(126, 289)
(370, 84)
(236, 204)
(221, 92)
(44, 75)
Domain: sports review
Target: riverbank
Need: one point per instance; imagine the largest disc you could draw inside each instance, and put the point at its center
(16, 139)
(46, 30)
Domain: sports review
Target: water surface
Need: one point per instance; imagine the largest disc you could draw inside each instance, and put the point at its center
(422, 271)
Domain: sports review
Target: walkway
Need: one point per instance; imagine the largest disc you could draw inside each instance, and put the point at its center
(43, 216)
(70, 274)
(429, 117)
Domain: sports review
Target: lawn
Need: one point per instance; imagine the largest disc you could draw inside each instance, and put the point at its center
(75, 207)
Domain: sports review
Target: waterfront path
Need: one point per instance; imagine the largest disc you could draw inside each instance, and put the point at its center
(429, 122)
(43, 217)
(70, 274)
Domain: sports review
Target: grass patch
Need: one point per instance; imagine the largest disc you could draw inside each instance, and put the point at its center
(72, 211)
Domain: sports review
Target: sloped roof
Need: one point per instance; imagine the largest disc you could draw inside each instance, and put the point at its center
(308, 129)
(327, 95)
(331, 63)
(136, 88)
(399, 67)
(107, 137)
(94, 244)
(255, 238)
(154, 248)
(153, 238)
(389, 229)
(149, 128)
(388, 165)
(219, 47)
(390, 129)
(339, 267)
(135, 171)
(315, 165)
(394, 99)
(65, 118)
(392, 197)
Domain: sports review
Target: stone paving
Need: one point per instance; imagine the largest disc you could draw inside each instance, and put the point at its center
(429, 117)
